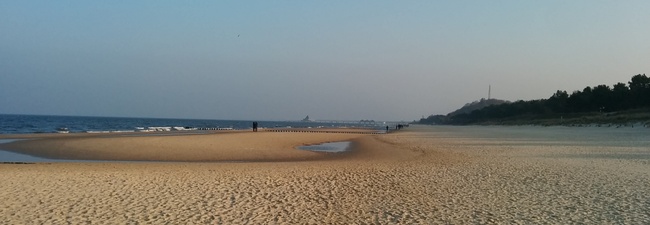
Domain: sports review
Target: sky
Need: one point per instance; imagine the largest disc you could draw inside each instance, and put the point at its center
(331, 60)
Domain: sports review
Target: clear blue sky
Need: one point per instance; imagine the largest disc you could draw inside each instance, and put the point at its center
(282, 60)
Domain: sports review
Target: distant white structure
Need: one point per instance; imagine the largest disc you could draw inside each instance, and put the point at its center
(489, 91)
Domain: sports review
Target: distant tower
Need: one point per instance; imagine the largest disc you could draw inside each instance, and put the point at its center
(489, 91)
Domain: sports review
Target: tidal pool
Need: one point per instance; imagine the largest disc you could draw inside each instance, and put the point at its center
(328, 147)
(12, 157)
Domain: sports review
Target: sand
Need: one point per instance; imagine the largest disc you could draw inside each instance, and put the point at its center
(185, 147)
(422, 175)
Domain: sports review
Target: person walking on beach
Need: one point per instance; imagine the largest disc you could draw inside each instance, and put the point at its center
(255, 126)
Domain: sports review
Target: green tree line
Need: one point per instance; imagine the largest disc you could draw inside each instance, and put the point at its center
(602, 98)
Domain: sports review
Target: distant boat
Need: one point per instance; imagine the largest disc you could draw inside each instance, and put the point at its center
(306, 119)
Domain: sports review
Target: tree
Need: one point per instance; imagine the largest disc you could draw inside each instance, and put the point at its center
(640, 90)
(601, 98)
(620, 97)
(639, 82)
(558, 102)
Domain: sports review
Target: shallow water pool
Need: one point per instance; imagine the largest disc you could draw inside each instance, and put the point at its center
(328, 147)
(12, 157)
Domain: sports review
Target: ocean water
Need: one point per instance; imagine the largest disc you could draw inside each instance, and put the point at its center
(27, 124)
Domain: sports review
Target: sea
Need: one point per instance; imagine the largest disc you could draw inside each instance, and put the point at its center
(29, 124)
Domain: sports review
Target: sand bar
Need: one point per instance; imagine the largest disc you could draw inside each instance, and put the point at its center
(185, 147)
(424, 175)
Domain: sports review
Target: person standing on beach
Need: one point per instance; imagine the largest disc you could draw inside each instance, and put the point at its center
(255, 126)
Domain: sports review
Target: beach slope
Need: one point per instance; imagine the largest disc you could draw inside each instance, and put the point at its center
(425, 175)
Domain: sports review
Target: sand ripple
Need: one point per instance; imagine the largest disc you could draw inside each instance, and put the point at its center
(400, 178)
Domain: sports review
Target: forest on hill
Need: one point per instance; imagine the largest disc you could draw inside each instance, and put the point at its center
(621, 103)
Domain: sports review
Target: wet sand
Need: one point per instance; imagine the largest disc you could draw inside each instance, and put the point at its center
(424, 175)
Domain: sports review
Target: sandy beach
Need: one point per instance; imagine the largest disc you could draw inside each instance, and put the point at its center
(184, 147)
(422, 175)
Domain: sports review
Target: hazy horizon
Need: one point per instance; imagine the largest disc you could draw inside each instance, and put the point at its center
(331, 60)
